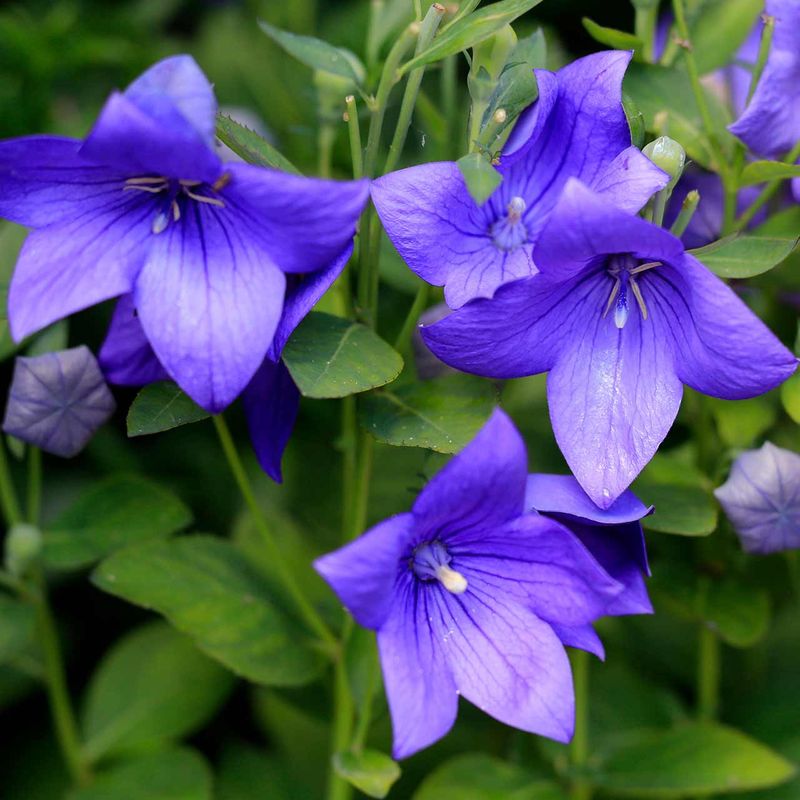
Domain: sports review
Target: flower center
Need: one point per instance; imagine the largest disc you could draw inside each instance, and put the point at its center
(625, 269)
(176, 192)
(431, 562)
(509, 232)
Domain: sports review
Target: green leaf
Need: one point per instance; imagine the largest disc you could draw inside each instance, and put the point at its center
(52, 338)
(160, 407)
(515, 91)
(620, 40)
(244, 771)
(251, 147)
(179, 774)
(369, 771)
(761, 171)
(635, 120)
(11, 239)
(682, 510)
(152, 687)
(790, 397)
(719, 29)
(329, 356)
(442, 414)
(207, 589)
(480, 176)
(741, 422)
(316, 53)
(478, 776)
(112, 514)
(16, 627)
(744, 256)
(531, 49)
(470, 30)
(695, 759)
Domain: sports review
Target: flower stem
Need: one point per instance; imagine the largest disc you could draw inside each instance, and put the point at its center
(34, 493)
(8, 495)
(579, 747)
(688, 207)
(354, 132)
(645, 27)
(708, 674)
(763, 53)
(403, 340)
(304, 607)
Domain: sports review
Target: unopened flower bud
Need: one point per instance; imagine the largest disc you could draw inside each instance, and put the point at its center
(492, 54)
(22, 548)
(667, 154)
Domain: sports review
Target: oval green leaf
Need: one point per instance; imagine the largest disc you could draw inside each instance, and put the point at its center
(208, 590)
(160, 407)
(329, 356)
(744, 256)
(369, 771)
(761, 171)
(681, 510)
(251, 147)
(479, 175)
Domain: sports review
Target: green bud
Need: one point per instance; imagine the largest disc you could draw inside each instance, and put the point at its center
(22, 548)
(492, 54)
(667, 154)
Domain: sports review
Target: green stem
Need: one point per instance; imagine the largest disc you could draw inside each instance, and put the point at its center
(8, 495)
(304, 607)
(579, 747)
(354, 132)
(34, 493)
(708, 674)
(793, 565)
(407, 331)
(449, 94)
(338, 788)
(365, 716)
(645, 27)
(688, 207)
(325, 140)
(763, 53)
(427, 30)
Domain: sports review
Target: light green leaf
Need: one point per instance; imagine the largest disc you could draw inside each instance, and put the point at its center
(480, 176)
(761, 171)
(470, 30)
(691, 760)
(329, 356)
(369, 771)
(681, 510)
(790, 397)
(316, 53)
(719, 29)
(16, 627)
(741, 422)
(515, 91)
(207, 589)
(478, 776)
(251, 147)
(160, 407)
(11, 239)
(442, 414)
(112, 514)
(152, 687)
(52, 338)
(179, 774)
(531, 49)
(744, 256)
(620, 40)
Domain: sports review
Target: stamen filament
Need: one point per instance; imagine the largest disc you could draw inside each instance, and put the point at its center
(221, 182)
(145, 180)
(213, 201)
(643, 267)
(151, 189)
(637, 293)
(612, 297)
(176, 211)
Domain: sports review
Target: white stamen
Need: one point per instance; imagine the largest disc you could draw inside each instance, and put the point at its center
(148, 179)
(637, 293)
(160, 223)
(643, 267)
(176, 211)
(516, 208)
(453, 581)
(151, 189)
(202, 199)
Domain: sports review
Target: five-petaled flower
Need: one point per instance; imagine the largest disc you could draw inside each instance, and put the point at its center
(473, 593)
(762, 499)
(144, 206)
(576, 128)
(621, 317)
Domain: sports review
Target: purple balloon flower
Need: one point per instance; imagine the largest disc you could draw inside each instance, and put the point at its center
(770, 126)
(762, 499)
(144, 206)
(57, 401)
(271, 399)
(576, 128)
(473, 594)
(620, 317)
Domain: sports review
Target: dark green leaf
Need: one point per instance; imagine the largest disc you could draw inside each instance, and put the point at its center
(620, 40)
(316, 53)
(172, 775)
(480, 176)
(160, 407)
(761, 171)
(369, 771)
(471, 30)
(16, 627)
(691, 760)
(244, 771)
(207, 589)
(744, 256)
(152, 687)
(251, 147)
(114, 513)
(333, 357)
(442, 414)
(478, 776)
(719, 29)
(682, 510)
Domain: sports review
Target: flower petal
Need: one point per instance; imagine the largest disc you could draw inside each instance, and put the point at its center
(583, 637)
(209, 299)
(271, 401)
(528, 128)
(613, 396)
(75, 264)
(302, 294)
(419, 686)
(563, 495)
(541, 565)
(630, 180)
(126, 356)
(722, 347)
(481, 487)
(363, 573)
(506, 661)
(43, 181)
(304, 223)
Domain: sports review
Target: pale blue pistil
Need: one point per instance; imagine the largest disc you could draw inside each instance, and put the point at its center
(509, 232)
(431, 562)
